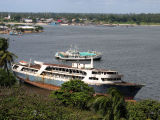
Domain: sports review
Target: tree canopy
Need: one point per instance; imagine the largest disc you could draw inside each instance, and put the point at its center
(112, 107)
(93, 17)
(75, 93)
(5, 79)
(144, 110)
(6, 57)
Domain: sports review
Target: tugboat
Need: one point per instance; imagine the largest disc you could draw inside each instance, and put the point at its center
(73, 55)
(52, 76)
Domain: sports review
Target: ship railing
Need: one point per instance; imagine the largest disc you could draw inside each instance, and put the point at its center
(64, 73)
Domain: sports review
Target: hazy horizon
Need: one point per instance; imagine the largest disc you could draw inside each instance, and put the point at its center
(89, 6)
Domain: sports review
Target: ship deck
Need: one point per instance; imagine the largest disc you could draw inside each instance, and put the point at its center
(36, 66)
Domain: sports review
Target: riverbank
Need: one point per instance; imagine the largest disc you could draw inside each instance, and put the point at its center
(82, 24)
(19, 23)
(19, 29)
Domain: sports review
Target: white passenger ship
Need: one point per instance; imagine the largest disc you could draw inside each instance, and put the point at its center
(52, 76)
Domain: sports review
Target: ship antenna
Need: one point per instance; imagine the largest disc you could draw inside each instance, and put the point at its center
(30, 62)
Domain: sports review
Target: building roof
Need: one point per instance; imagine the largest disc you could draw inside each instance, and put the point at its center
(26, 27)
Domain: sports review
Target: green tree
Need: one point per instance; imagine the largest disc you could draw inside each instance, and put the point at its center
(144, 110)
(112, 107)
(34, 20)
(17, 18)
(38, 28)
(3, 44)
(18, 103)
(5, 80)
(75, 93)
(6, 57)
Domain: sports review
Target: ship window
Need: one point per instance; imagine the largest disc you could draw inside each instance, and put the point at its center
(110, 79)
(15, 67)
(49, 68)
(93, 72)
(93, 78)
(83, 73)
(70, 71)
(111, 72)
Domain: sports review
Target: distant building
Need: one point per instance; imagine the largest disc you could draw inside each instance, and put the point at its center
(26, 27)
(28, 20)
(59, 20)
(7, 18)
(3, 28)
(49, 20)
(73, 20)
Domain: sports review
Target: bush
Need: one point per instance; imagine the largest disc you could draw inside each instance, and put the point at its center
(145, 109)
(17, 104)
(5, 79)
(75, 93)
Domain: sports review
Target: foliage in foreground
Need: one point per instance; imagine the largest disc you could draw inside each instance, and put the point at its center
(16, 104)
(144, 110)
(6, 57)
(5, 79)
(75, 93)
(111, 107)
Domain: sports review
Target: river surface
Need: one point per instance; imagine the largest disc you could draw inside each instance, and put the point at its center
(132, 51)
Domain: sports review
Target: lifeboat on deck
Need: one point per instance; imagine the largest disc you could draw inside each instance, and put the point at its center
(23, 62)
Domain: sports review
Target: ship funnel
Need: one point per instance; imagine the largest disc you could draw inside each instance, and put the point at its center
(92, 62)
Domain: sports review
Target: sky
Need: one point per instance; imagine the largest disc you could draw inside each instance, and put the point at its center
(81, 6)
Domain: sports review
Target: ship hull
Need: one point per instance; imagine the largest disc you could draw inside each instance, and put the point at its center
(129, 91)
(80, 59)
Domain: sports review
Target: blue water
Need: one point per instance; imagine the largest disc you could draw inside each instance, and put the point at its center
(133, 51)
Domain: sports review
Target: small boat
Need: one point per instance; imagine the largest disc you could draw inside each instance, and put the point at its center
(15, 33)
(73, 54)
(52, 76)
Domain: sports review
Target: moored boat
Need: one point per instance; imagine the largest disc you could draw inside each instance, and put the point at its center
(15, 33)
(73, 54)
(52, 76)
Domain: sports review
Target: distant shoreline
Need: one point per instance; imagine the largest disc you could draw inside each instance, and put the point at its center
(25, 23)
(79, 24)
